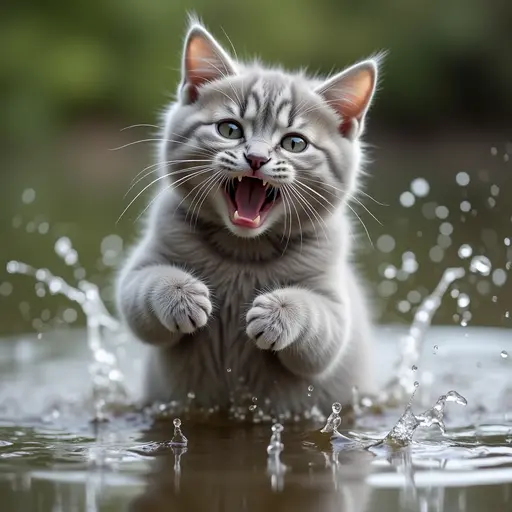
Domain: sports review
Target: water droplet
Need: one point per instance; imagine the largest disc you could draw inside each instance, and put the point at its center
(6, 289)
(63, 246)
(420, 187)
(436, 348)
(311, 388)
(28, 196)
(499, 277)
(465, 251)
(390, 272)
(481, 265)
(336, 407)
(414, 368)
(407, 199)
(463, 300)
(253, 407)
(277, 427)
(504, 354)
(416, 384)
(442, 212)
(228, 370)
(385, 243)
(462, 179)
(191, 395)
(177, 422)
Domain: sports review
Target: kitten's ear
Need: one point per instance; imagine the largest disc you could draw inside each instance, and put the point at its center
(204, 60)
(350, 93)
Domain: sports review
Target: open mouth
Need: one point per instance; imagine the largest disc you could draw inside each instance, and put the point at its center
(249, 200)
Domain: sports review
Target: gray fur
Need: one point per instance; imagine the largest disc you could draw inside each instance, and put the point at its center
(265, 312)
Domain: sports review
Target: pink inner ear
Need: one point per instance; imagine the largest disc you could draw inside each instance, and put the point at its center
(345, 127)
(199, 55)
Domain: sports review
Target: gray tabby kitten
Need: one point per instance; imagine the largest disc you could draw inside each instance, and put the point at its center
(242, 282)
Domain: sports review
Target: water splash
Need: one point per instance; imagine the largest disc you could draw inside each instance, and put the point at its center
(275, 446)
(275, 468)
(178, 439)
(334, 420)
(403, 431)
(402, 385)
(108, 386)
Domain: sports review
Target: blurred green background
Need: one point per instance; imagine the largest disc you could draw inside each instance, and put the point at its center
(74, 75)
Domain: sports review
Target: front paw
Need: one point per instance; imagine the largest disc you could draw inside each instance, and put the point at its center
(275, 320)
(182, 303)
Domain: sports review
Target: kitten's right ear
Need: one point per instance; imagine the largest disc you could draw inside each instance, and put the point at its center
(204, 60)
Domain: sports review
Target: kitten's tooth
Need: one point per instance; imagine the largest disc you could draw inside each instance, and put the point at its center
(264, 183)
(239, 178)
(235, 215)
(257, 220)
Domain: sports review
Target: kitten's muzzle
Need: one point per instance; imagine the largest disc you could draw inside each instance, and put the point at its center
(256, 160)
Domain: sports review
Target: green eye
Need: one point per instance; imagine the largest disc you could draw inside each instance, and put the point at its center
(294, 143)
(230, 130)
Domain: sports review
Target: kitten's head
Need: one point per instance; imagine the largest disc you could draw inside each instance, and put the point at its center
(258, 149)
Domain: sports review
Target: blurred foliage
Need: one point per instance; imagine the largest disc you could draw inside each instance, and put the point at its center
(61, 61)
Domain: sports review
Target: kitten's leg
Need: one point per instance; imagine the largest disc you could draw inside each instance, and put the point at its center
(160, 303)
(306, 328)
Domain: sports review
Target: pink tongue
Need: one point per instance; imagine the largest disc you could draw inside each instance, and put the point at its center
(249, 197)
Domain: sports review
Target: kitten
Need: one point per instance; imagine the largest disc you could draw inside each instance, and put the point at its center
(242, 283)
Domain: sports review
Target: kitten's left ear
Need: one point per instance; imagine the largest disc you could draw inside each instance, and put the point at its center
(204, 60)
(350, 93)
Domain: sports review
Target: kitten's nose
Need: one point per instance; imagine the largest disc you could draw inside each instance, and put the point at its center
(256, 160)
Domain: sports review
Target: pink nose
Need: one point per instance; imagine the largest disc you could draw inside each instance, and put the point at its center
(256, 161)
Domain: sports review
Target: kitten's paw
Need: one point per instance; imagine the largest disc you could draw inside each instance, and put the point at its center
(182, 303)
(274, 320)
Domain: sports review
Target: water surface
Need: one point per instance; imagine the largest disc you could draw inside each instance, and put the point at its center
(53, 458)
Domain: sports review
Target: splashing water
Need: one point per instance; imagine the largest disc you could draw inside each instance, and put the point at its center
(275, 468)
(403, 431)
(108, 385)
(275, 446)
(105, 335)
(410, 345)
(334, 420)
(178, 439)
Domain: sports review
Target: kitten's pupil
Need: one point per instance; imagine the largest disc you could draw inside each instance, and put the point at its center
(230, 130)
(294, 143)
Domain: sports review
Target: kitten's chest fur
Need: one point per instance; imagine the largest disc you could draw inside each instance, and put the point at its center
(220, 360)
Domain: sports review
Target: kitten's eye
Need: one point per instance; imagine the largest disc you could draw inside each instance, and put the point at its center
(294, 143)
(230, 129)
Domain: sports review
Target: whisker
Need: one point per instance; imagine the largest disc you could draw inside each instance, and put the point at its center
(211, 181)
(140, 126)
(301, 202)
(162, 165)
(298, 182)
(219, 183)
(345, 191)
(285, 201)
(186, 142)
(171, 185)
(362, 223)
(350, 196)
(184, 198)
(152, 183)
(203, 185)
(298, 219)
(310, 207)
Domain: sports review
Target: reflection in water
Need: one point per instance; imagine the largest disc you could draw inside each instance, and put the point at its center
(178, 451)
(237, 481)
